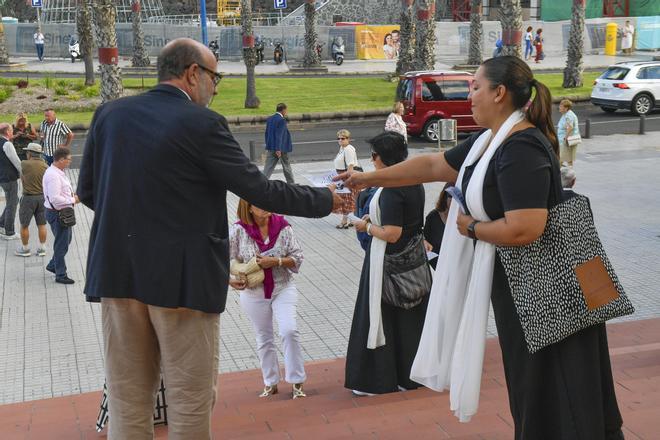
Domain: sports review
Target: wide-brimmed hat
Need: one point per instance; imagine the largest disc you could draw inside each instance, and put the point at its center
(34, 147)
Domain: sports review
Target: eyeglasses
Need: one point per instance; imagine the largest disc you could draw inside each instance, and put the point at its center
(341, 138)
(215, 76)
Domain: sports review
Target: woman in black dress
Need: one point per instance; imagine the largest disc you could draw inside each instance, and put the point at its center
(564, 391)
(387, 368)
(434, 225)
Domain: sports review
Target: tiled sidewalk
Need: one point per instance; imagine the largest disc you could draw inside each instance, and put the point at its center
(331, 412)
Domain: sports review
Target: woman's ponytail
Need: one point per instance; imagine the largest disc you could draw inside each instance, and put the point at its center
(539, 113)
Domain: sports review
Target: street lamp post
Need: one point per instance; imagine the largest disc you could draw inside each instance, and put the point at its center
(202, 19)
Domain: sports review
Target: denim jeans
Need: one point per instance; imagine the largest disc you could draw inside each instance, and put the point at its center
(528, 49)
(40, 51)
(8, 216)
(61, 247)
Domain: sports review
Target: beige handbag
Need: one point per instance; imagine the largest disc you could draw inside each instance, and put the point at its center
(251, 270)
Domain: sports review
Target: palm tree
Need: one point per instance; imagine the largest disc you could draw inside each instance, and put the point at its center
(476, 34)
(406, 61)
(4, 54)
(574, 66)
(311, 59)
(140, 57)
(425, 35)
(249, 54)
(105, 16)
(84, 28)
(511, 19)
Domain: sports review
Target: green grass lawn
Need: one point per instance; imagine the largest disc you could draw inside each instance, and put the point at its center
(302, 95)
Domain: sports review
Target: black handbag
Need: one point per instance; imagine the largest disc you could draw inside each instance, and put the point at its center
(66, 217)
(563, 282)
(407, 276)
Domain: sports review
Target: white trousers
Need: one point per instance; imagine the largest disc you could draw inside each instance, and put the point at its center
(261, 311)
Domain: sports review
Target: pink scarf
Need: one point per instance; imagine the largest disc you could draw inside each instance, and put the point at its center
(275, 225)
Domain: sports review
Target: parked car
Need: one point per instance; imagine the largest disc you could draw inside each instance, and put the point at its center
(634, 86)
(429, 96)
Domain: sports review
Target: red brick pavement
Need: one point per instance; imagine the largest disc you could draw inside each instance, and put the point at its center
(331, 412)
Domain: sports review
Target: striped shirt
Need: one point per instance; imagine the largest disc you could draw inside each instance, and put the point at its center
(53, 135)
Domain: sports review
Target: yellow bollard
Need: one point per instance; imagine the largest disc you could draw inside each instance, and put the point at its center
(610, 39)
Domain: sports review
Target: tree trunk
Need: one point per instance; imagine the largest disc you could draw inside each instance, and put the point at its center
(476, 34)
(511, 19)
(311, 58)
(425, 38)
(4, 54)
(105, 16)
(140, 57)
(406, 61)
(249, 54)
(84, 27)
(574, 66)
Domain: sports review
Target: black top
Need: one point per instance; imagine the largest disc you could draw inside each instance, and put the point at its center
(518, 175)
(434, 229)
(403, 206)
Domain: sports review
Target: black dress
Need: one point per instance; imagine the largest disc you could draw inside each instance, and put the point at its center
(434, 229)
(564, 391)
(384, 369)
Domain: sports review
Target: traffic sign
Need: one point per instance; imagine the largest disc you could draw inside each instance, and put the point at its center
(277, 4)
(36, 3)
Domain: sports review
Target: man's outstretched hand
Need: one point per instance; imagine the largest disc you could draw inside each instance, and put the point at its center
(336, 200)
(352, 179)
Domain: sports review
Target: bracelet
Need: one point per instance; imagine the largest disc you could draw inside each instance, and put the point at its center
(369, 229)
(279, 262)
(471, 231)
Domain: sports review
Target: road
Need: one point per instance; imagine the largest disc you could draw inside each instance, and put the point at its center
(318, 141)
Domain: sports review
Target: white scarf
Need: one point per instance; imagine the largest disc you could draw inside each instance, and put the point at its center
(451, 349)
(376, 336)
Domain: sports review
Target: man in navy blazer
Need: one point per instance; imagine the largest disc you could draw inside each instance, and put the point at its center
(156, 170)
(278, 143)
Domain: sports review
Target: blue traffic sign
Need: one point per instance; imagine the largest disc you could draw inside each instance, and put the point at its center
(36, 3)
(278, 4)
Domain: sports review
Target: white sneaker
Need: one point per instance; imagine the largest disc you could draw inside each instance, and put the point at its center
(41, 252)
(13, 236)
(22, 251)
(362, 393)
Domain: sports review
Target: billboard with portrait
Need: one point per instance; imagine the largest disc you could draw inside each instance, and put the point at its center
(377, 42)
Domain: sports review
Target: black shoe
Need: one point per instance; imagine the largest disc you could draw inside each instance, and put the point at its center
(64, 280)
(50, 269)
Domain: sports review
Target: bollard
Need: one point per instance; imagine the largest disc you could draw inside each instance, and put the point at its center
(448, 133)
(253, 151)
(642, 124)
(587, 128)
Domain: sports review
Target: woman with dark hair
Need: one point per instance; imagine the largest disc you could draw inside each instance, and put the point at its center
(388, 47)
(434, 225)
(529, 37)
(384, 338)
(538, 45)
(509, 175)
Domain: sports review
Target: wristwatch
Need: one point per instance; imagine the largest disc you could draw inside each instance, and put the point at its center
(470, 230)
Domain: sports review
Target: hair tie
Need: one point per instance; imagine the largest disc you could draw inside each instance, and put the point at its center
(533, 82)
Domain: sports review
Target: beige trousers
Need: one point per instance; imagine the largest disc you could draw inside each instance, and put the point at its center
(140, 342)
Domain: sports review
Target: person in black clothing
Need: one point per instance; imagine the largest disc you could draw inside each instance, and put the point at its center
(564, 391)
(386, 368)
(434, 225)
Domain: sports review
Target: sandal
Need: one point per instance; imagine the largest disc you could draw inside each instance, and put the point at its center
(298, 391)
(269, 390)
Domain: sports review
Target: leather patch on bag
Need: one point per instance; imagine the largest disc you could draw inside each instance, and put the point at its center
(596, 284)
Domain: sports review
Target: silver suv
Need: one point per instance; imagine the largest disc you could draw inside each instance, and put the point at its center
(631, 85)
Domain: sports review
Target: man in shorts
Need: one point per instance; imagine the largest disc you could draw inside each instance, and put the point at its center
(32, 202)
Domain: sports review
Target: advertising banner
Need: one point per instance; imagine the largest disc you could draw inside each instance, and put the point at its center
(377, 42)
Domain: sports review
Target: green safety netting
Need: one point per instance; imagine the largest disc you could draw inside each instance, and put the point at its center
(557, 10)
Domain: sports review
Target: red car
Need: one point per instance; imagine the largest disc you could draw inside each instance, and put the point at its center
(429, 96)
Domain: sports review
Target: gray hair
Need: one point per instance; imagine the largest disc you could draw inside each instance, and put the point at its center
(567, 177)
(4, 127)
(176, 57)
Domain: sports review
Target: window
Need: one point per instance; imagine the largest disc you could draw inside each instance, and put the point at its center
(404, 90)
(445, 90)
(649, 73)
(615, 73)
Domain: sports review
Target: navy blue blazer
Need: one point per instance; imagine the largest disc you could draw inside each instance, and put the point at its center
(156, 170)
(278, 137)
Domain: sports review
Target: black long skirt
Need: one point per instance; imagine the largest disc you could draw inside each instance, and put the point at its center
(384, 369)
(562, 392)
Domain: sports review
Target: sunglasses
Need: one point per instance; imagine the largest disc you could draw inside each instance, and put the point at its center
(341, 138)
(215, 76)
(374, 155)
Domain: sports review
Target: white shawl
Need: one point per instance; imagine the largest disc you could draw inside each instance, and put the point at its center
(451, 349)
(376, 336)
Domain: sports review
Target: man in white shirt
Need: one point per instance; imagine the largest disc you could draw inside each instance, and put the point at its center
(39, 43)
(10, 172)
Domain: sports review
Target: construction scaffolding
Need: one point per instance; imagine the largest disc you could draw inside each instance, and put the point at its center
(229, 12)
(64, 11)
